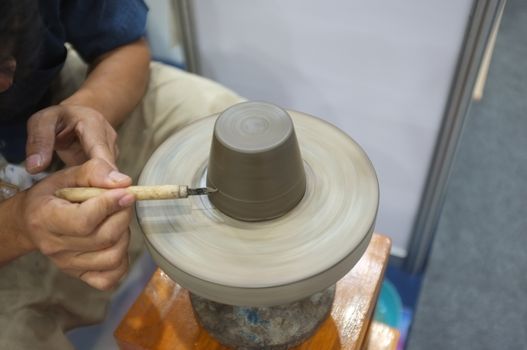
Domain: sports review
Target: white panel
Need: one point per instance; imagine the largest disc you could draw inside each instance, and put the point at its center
(163, 32)
(380, 70)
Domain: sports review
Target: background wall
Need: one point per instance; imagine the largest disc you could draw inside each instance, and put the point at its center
(379, 70)
(164, 33)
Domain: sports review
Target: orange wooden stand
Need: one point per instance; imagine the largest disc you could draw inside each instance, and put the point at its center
(162, 317)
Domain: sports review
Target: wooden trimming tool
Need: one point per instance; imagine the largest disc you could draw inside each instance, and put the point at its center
(81, 194)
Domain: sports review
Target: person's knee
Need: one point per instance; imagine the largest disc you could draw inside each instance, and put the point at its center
(186, 95)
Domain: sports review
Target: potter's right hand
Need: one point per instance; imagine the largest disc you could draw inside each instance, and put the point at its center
(87, 240)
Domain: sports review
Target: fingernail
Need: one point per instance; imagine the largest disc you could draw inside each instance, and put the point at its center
(34, 161)
(117, 177)
(126, 200)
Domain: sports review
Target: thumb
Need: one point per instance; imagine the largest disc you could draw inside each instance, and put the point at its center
(41, 128)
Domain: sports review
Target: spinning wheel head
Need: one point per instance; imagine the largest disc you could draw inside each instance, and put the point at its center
(222, 247)
(255, 162)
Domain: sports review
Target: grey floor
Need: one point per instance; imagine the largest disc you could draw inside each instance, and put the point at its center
(474, 293)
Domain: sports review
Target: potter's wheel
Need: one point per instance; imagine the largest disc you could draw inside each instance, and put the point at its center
(262, 263)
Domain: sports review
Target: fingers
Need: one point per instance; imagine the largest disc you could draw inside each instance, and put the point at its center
(93, 173)
(83, 219)
(106, 235)
(100, 173)
(52, 223)
(41, 129)
(105, 280)
(102, 280)
(101, 260)
(76, 132)
(102, 269)
(100, 207)
(100, 144)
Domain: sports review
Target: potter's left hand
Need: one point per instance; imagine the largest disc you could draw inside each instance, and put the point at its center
(75, 132)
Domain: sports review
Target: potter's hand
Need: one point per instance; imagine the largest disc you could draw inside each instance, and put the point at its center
(87, 240)
(77, 133)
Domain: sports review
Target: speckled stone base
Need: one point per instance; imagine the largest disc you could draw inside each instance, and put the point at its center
(275, 327)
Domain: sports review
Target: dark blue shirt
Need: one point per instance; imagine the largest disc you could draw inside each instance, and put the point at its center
(93, 27)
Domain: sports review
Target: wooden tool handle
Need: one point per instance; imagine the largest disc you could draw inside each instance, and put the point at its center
(81, 194)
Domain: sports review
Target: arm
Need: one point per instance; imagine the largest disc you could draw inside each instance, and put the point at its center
(83, 126)
(116, 82)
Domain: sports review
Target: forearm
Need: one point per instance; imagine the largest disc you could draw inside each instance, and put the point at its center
(14, 243)
(116, 82)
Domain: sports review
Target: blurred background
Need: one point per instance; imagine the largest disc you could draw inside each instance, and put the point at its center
(435, 92)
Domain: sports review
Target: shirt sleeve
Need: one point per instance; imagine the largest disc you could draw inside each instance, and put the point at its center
(95, 27)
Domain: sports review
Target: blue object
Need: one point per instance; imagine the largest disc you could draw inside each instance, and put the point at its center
(389, 307)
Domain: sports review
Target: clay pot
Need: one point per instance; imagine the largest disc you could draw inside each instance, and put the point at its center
(255, 162)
